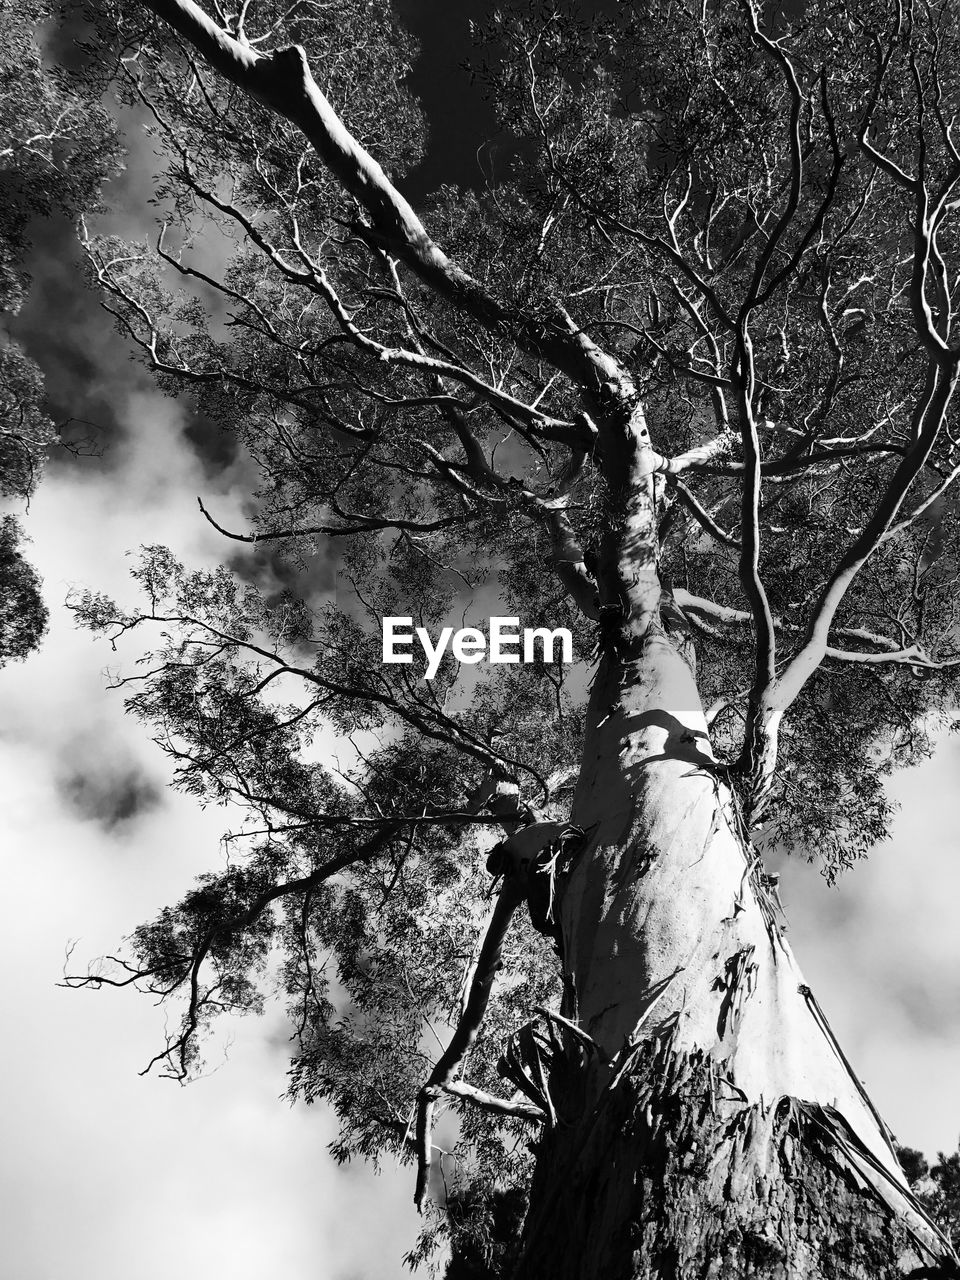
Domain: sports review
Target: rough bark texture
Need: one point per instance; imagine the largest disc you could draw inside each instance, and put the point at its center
(713, 1128)
(669, 1178)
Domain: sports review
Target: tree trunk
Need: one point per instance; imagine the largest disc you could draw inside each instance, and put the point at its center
(713, 1127)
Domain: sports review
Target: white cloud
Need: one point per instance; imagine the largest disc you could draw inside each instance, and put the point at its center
(141, 1177)
(882, 953)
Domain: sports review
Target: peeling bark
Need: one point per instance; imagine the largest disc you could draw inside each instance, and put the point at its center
(670, 1177)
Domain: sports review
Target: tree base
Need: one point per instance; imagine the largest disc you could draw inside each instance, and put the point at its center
(670, 1176)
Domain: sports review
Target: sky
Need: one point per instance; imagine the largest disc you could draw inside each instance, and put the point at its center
(224, 1177)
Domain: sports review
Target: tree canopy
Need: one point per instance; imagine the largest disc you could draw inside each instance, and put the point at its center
(56, 147)
(729, 233)
(939, 1187)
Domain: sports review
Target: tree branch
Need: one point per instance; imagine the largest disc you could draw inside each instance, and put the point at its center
(176, 1051)
(890, 651)
(489, 1102)
(475, 1006)
(930, 416)
(283, 82)
(370, 524)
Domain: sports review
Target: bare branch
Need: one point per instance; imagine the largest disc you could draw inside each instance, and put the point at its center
(890, 651)
(489, 1102)
(370, 524)
(701, 515)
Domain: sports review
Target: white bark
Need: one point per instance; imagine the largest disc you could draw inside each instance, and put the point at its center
(665, 918)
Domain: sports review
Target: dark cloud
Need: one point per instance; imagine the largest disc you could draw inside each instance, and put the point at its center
(63, 328)
(464, 146)
(277, 576)
(213, 443)
(90, 370)
(110, 795)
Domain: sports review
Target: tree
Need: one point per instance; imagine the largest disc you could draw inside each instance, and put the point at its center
(937, 1186)
(680, 379)
(23, 615)
(56, 148)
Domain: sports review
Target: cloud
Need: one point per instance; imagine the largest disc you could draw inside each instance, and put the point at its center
(82, 373)
(214, 444)
(882, 951)
(140, 1178)
(274, 575)
(101, 792)
(90, 369)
